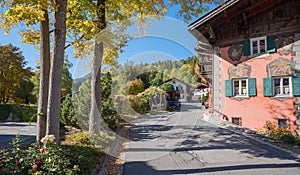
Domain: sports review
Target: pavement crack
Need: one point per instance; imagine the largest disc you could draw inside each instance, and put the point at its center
(197, 158)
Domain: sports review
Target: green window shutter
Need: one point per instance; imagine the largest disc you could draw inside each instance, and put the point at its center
(271, 44)
(268, 89)
(228, 88)
(252, 86)
(246, 48)
(296, 85)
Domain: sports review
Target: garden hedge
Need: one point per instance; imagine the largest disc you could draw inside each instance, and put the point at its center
(20, 112)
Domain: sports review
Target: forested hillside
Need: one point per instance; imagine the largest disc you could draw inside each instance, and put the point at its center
(153, 74)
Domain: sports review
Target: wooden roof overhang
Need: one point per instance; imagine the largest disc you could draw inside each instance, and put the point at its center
(232, 12)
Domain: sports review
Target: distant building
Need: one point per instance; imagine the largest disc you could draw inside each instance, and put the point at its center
(250, 53)
(183, 88)
(200, 91)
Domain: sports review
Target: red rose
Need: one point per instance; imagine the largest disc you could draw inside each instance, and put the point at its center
(34, 166)
(37, 161)
(17, 162)
(42, 150)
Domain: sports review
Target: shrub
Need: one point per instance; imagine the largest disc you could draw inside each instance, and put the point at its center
(25, 113)
(280, 133)
(122, 104)
(297, 140)
(288, 138)
(102, 141)
(136, 86)
(47, 158)
(5, 110)
(109, 114)
(274, 131)
(139, 104)
(85, 149)
(204, 98)
(167, 87)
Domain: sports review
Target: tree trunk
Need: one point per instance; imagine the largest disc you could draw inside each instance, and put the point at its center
(95, 113)
(53, 112)
(44, 75)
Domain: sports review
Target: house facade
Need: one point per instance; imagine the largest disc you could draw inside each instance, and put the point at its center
(183, 88)
(250, 53)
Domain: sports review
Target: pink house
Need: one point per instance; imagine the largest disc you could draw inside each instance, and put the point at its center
(250, 53)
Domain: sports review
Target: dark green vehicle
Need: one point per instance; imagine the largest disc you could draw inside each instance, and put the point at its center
(173, 102)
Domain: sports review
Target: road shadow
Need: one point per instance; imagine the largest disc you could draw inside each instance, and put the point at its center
(5, 140)
(188, 107)
(134, 168)
(14, 124)
(146, 132)
(221, 139)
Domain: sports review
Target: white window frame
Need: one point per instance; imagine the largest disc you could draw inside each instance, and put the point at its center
(281, 86)
(258, 44)
(241, 94)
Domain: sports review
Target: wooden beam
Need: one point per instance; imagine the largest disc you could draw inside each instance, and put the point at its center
(211, 32)
(245, 19)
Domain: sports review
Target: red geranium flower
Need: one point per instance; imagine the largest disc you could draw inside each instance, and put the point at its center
(34, 166)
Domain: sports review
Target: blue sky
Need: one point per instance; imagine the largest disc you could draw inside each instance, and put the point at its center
(167, 39)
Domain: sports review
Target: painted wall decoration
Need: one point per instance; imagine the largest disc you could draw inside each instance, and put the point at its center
(240, 71)
(280, 66)
(284, 45)
(235, 53)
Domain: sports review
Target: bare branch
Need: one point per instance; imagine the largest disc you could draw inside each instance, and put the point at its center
(71, 43)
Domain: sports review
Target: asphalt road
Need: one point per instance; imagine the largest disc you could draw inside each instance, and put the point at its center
(9, 130)
(188, 142)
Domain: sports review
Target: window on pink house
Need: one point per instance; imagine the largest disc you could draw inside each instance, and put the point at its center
(282, 86)
(240, 87)
(258, 45)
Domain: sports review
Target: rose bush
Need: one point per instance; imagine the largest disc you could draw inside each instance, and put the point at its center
(46, 158)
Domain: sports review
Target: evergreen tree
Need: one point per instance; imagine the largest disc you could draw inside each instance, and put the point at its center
(67, 112)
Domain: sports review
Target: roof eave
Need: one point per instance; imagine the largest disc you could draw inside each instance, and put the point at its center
(211, 14)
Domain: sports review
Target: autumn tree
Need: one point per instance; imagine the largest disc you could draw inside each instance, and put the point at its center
(12, 72)
(86, 22)
(33, 14)
(44, 70)
(67, 80)
(24, 93)
(55, 83)
(104, 22)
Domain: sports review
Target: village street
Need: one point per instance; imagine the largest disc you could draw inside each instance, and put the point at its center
(188, 142)
(9, 130)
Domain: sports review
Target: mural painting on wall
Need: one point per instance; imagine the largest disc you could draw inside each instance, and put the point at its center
(235, 53)
(240, 71)
(284, 45)
(280, 66)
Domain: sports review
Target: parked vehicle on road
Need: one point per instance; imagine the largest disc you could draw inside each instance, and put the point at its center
(206, 104)
(173, 102)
